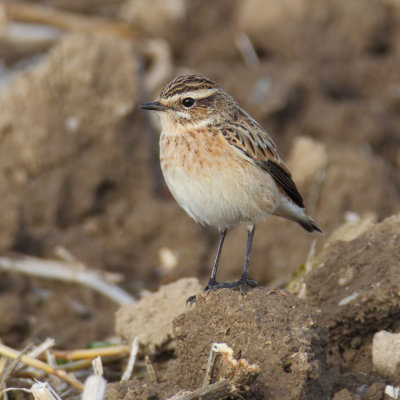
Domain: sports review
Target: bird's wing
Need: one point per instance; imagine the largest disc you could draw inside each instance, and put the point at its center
(256, 145)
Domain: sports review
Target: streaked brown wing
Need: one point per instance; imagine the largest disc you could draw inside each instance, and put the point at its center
(248, 137)
(284, 179)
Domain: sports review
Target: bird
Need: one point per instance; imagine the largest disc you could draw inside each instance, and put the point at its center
(221, 166)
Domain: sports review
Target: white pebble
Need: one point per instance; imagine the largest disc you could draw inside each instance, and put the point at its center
(386, 352)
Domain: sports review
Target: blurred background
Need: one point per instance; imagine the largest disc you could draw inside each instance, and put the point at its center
(79, 168)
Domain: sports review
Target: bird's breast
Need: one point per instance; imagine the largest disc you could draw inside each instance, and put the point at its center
(194, 152)
(211, 182)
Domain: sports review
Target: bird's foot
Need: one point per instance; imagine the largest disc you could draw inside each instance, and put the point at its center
(242, 283)
(190, 300)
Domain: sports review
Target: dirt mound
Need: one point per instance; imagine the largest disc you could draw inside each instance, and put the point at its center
(272, 335)
(56, 120)
(355, 283)
(327, 19)
(150, 319)
(274, 330)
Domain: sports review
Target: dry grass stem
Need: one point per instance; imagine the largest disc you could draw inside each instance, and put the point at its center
(35, 353)
(210, 364)
(214, 391)
(11, 367)
(132, 358)
(87, 363)
(77, 365)
(150, 370)
(246, 49)
(95, 388)
(3, 363)
(42, 348)
(33, 362)
(33, 13)
(160, 54)
(97, 366)
(64, 254)
(222, 365)
(43, 391)
(50, 359)
(72, 355)
(310, 257)
(68, 272)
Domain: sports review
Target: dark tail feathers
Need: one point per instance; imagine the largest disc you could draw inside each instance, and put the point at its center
(309, 225)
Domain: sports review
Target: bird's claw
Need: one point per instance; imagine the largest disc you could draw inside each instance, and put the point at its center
(242, 283)
(190, 300)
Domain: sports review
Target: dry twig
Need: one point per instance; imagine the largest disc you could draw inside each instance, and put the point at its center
(95, 388)
(69, 272)
(34, 13)
(33, 362)
(214, 391)
(97, 366)
(150, 370)
(132, 358)
(43, 391)
(39, 390)
(80, 354)
(246, 49)
(222, 365)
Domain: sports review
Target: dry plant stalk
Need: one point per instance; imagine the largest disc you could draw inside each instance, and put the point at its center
(42, 348)
(34, 13)
(132, 358)
(160, 54)
(246, 49)
(77, 365)
(222, 365)
(43, 391)
(232, 375)
(33, 362)
(214, 391)
(150, 370)
(97, 366)
(3, 363)
(95, 388)
(39, 391)
(75, 272)
(72, 355)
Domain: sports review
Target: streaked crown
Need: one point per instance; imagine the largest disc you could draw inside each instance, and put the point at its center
(186, 84)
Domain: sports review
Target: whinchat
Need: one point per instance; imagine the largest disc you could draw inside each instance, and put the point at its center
(221, 166)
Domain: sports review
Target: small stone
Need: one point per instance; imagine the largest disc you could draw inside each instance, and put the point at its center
(386, 353)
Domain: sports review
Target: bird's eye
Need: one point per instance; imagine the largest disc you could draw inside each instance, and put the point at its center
(188, 102)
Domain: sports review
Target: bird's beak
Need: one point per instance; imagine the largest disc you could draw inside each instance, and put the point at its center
(154, 106)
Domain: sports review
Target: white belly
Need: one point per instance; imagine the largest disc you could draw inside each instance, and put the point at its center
(222, 197)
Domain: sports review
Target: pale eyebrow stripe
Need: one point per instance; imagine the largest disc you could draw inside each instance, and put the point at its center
(194, 94)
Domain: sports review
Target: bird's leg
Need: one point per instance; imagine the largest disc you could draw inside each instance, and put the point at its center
(212, 283)
(245, 274)
(243, 281)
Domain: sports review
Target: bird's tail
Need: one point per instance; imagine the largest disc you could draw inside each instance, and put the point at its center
(287, 209)
(309, 224)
